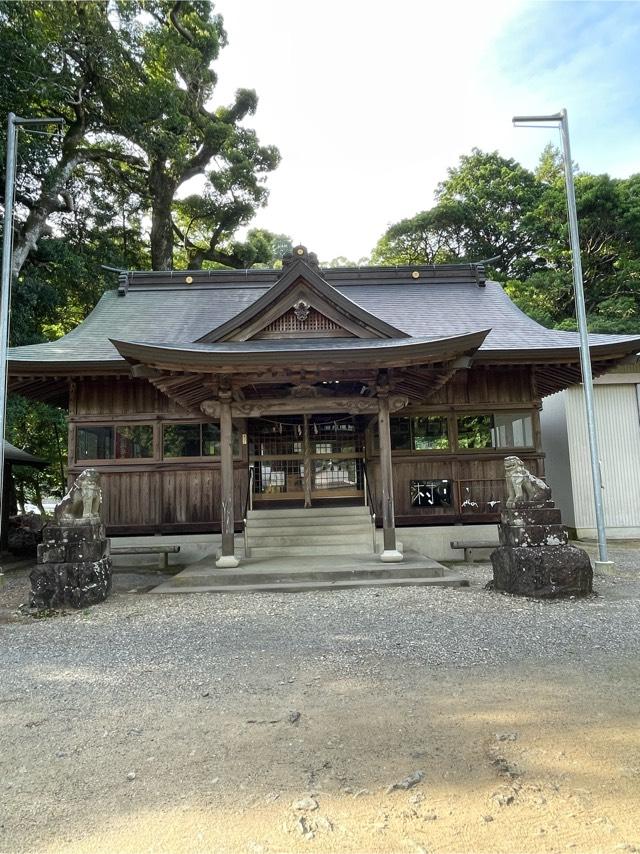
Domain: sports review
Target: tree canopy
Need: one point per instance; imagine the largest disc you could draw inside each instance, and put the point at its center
(135, 81)
(492, 209)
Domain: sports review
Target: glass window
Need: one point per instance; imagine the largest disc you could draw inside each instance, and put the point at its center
(475, 431)
(195, 440)
(430, 432)
(181, 440)
(512, 430)
(421, 433)
(134, 442)
(94, 443)
(211, 440)
(400, 429)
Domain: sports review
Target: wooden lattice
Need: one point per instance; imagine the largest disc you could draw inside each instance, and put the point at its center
(314, 322)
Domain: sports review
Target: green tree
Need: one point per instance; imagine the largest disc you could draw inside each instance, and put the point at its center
(134, 80)
(491, 206)
(41, 430)
(430, 237)
(497, 198)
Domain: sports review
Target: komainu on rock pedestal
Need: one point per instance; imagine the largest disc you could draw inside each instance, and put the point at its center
(534, 557)
(74, 567)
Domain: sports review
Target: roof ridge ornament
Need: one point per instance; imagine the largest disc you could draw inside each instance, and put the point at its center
(300, 253)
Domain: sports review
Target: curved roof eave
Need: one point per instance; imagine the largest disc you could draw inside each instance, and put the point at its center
(315, 351)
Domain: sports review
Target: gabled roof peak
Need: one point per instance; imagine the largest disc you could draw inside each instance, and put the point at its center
(301, 284)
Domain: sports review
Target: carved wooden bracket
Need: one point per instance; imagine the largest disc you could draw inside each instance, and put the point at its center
(353, 405)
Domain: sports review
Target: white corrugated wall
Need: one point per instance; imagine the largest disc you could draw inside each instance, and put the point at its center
(555, 444)
(619, 440)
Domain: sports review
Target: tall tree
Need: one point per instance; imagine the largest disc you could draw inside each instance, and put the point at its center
(491, 206)
(497, 197)
(430, 237)
(134, 79)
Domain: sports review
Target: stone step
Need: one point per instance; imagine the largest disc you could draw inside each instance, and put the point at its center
(247, 575)
(448, 580)
(295, 522)
(309, 512)
(300, 551)
(277, 538)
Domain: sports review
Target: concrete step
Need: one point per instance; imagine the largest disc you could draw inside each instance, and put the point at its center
(247, 575)
(268, 522)
(301, 551)
(345, 531)
(309, 512)
(448, 580)
(276, 538)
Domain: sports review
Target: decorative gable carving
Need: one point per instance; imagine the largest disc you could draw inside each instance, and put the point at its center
(302, 321)
(302, 304)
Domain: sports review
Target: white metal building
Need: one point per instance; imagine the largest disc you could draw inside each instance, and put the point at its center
(567, 465)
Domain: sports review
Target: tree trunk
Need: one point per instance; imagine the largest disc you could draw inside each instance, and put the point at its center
(37, 498)
(162, 190)
(20, 497)
(27, 238)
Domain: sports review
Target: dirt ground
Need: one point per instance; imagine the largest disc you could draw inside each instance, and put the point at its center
(541, 755)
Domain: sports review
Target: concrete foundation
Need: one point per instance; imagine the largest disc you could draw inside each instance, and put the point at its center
(432, 540)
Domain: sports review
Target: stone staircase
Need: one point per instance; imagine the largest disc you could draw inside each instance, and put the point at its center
(309, 532)
(320, 548)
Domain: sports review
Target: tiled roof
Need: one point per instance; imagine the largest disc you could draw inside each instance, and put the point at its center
(430, 307)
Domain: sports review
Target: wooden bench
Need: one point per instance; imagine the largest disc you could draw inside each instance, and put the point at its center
(469, 545)
(163, 551)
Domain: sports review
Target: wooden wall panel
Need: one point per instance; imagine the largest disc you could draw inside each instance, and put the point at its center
(191, 496)
(121, 397)
(475, 479)
(485, 385)
(130, 498)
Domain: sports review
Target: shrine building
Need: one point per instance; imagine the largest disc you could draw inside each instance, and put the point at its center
(200, 396)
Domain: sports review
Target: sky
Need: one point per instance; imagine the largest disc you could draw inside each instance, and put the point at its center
(371, 102)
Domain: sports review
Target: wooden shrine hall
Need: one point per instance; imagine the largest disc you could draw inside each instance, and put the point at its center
(201, 394)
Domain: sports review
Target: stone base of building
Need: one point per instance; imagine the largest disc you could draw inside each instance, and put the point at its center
(74, 568)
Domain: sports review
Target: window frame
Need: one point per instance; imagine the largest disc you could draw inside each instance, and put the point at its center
(236, 433)
(452, 415)
(494, 448)
(114, 426)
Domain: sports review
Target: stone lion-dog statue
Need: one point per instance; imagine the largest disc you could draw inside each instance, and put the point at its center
(83, 502)
(522, 486)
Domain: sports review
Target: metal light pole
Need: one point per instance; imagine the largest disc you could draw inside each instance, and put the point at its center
(561, 121)
(13, 124)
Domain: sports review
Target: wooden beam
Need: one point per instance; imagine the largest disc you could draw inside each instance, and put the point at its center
(353, 405)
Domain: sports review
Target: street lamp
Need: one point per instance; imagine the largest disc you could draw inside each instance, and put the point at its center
(14, 123)
(561, 121)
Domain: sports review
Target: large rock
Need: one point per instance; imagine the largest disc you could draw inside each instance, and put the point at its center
(534, 557)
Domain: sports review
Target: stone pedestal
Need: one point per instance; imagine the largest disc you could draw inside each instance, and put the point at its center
(74, 567)
(534, 557)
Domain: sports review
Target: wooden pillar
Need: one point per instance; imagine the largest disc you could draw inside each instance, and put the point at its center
(307, 462)
(390, 553)
(227, 557)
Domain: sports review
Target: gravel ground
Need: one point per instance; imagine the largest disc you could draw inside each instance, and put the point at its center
(172, 689)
